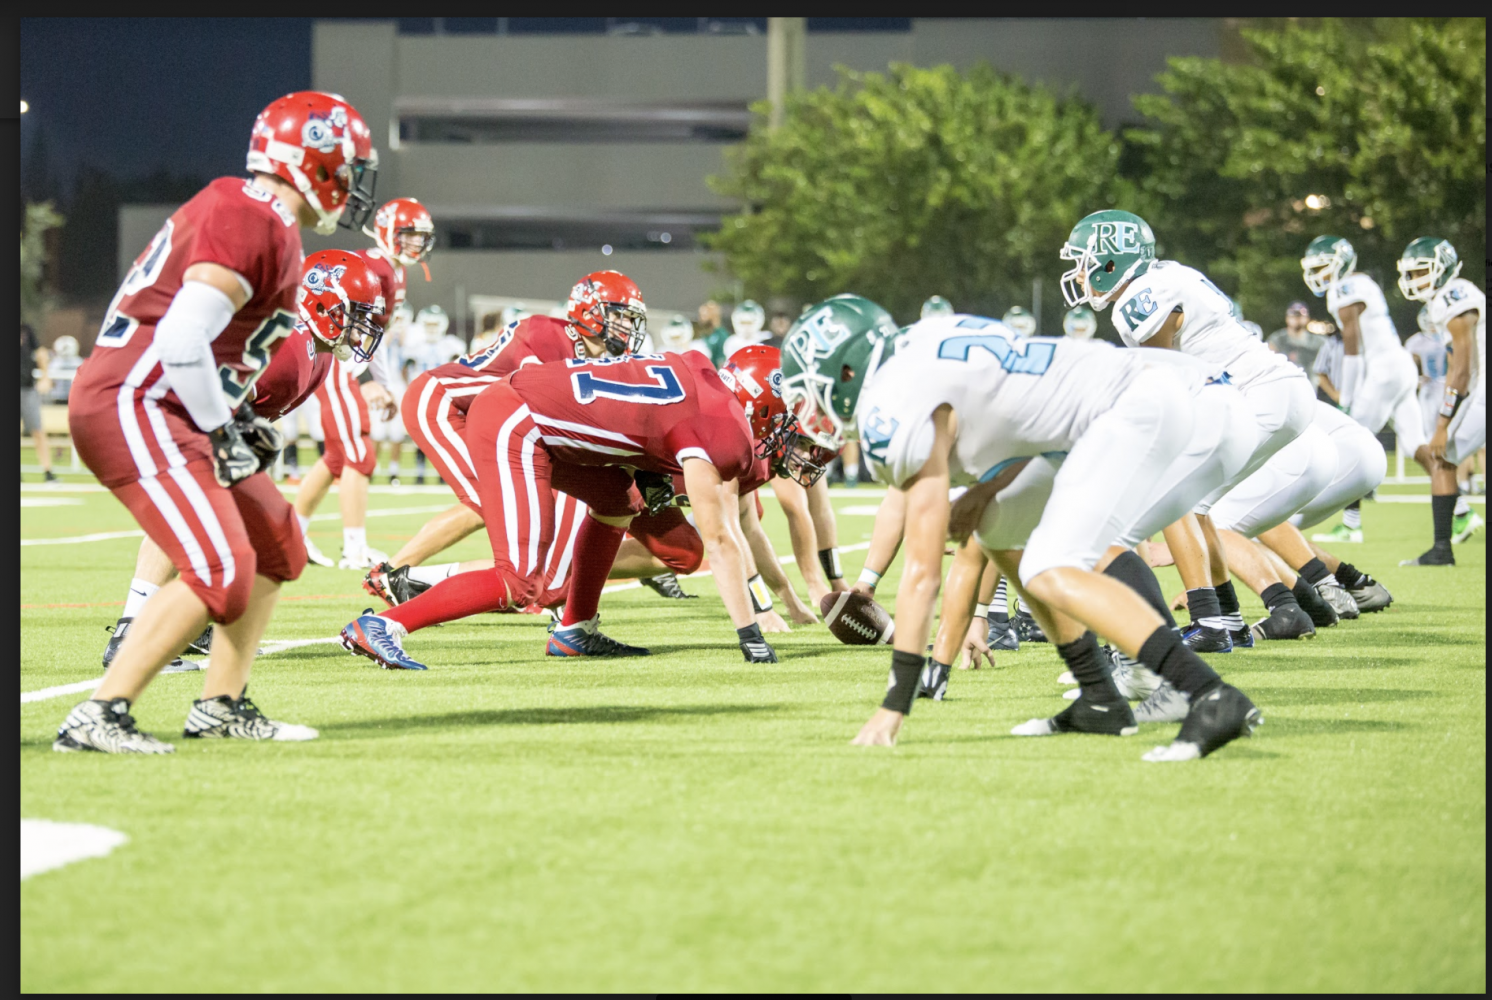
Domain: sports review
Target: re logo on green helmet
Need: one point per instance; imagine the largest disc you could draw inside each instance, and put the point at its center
(1117, 238)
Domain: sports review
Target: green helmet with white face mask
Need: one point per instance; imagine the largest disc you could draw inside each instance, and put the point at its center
(1107, 249)
(1019, 319)
(827, 357)
(1327, 260)
(1426, 266)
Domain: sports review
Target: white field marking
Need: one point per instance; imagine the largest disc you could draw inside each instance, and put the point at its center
(1421, 498)
(104, 536)
(50, 502)
(398, 491)
(865, 492)
(46, 845)
(860, 510)
(634, 584)
(270, 647)
(62, 487)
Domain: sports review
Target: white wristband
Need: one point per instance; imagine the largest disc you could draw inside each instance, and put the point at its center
(869, 577)
(981, 611)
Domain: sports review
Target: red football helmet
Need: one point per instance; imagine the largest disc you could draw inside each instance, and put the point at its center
(607, 306)
(341, 301)
(321, 145)
(404, 230)
(754, 374)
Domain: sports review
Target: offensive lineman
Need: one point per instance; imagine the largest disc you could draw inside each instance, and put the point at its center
(194, 324)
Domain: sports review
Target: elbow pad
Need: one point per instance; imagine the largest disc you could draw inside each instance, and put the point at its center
(183, 342)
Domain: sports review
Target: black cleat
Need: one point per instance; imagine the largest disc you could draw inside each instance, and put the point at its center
(1002, 636)
(116, 639)
(1243, 638)
(1287, 621)
(1201, 639)
(202, 645)
(1216, 719)
(1084, 716)
(1438, 554)
(667, 585)
(1027, 629)
(392, 586)
(1323, 615)
(934, 680)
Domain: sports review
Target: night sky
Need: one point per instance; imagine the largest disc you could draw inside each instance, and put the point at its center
(136, 95)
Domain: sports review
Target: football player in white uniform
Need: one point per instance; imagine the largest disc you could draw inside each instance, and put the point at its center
(965, 400)
(1429, 270)
(1080, 323)
(748, 323)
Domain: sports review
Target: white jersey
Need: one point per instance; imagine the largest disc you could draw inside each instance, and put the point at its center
(1379, 339)
(1429, 347)
(1015, 397)
(1209, 330)
(1457, 297)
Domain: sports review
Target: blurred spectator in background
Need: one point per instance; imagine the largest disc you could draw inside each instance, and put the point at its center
(778, 324)
(64, 367)
(677, 335)
(1295, 342)
(35, 384)
(1080, 323)
(429, 340)
(712, 332)
(492, 324)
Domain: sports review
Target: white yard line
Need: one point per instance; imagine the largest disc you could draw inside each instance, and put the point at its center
(59, 690)
(46, 845)
(137, 533)
(1420, 498)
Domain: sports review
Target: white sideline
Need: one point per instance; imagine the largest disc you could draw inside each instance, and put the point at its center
(1424, 498)
(272, 646)
(137, 533)
(46, 845)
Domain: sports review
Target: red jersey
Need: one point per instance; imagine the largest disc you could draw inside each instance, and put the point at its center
(390, 276)
(230, 222)
(644, 411)
(531, 340)
(291, 377)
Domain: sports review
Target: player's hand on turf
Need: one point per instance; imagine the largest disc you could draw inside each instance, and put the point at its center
(881, 730)
(260, 435)
(1179, 602)
(380, 399)
(754, 647)
(770, 621)
(233, 459)
(976, 646)
(800, 613)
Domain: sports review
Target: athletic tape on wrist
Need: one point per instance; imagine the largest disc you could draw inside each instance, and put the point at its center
(869, 577)
(761, 598)
(1450, 403)
(901, 687)
(829, 559)
(981, 611)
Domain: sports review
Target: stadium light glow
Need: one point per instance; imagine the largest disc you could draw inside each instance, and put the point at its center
(1316, 202)
(24, 106)
(606, 250)
(1320, 91)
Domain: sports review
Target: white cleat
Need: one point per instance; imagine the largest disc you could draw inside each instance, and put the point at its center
(1164, 704)
(1035, 727)
(1341, 602)
(315, 555)
(1176, 752)
(1473, 524)
(1135, 681)
(364, 559)
(1065, 677)
(239, 718)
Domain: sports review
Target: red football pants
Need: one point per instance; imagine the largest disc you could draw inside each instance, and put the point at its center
(344, 421)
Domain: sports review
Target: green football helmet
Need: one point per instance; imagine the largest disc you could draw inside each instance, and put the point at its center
(1327, 260)
(1080, 323)
(936, 305)
(827, 357)
(1425, 266)
(1107, 249)
(747, 320)
(1020, 320)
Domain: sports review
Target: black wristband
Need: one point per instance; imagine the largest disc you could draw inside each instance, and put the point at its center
(829, 559)
(752, 632)
(906, 677)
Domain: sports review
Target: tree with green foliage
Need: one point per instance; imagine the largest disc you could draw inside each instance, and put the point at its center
(1373, 130)
(40, 217)
(912, 183)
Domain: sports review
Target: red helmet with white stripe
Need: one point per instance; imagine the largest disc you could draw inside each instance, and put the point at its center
(340, 300)
(320, 145)
(607, 306)
(754, 374)
(404, 230)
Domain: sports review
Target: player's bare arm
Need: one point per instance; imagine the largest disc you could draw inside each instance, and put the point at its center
(885, 541)
(714, 504)
(800, 529)
(1462, 329)
(764, 558)
(962, 636)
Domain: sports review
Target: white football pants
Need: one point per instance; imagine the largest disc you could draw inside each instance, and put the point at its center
(1468, 430)
(1387, 394)
(1361, 466)
(1282, 408)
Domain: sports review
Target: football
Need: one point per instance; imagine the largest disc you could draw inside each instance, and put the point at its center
(856, 620)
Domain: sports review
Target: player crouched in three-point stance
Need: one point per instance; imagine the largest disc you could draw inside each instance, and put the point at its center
(195, 323)
(1428, 271)
(963, 399)
(578, 427)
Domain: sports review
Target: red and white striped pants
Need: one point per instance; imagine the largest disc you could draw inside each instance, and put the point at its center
(434, 411)
(344, 421)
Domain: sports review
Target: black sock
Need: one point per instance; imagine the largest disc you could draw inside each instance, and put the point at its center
(1135, 573)
(1351, 577)
(1277, 595)
(1203, 603)
(292, 457)
(1086, 663)
(1442, 511)
(1227, 598)
(1354, 505)
(321, 448)
(1167, 655)
(1308, 597)
(1314, 571)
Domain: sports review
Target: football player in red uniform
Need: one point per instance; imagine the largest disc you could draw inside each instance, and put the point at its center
(578, 426)
(195, 323)
(606, 316)
(405, 234)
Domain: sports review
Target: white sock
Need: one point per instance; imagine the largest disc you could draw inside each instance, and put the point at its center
(852, 470)
(1462, 507)
(354, 539)
(1352, 518)
(305, 524)
(140, 592)
(393, 468)
(432, 574)
(998, 605)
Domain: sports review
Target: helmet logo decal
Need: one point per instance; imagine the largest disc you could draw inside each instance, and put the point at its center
(1117, 237)
(775, 382)
(322, 132)
(876, 433)
(321, 278)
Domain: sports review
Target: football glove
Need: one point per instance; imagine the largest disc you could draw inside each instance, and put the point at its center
(260, 435)
(754, 647)
(233, 459)
(656, 489)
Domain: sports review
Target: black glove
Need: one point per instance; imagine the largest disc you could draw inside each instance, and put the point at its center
(656, 489)
(234, 461)
(754, 647)
(260, 435)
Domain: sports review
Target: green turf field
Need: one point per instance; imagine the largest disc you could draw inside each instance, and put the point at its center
(690, 823)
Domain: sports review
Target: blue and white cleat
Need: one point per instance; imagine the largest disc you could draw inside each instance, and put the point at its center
(585, 639)
(380, 640)
(1202, 639)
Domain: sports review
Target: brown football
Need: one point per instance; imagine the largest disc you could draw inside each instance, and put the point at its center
(856, 620)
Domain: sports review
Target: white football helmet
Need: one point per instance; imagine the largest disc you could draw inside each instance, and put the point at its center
(433, 322)
(677, 333)
(1020, 320)
(748, 320)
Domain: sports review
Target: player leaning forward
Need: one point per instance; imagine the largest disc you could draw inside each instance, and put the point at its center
(193, 326)
(965, 400)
